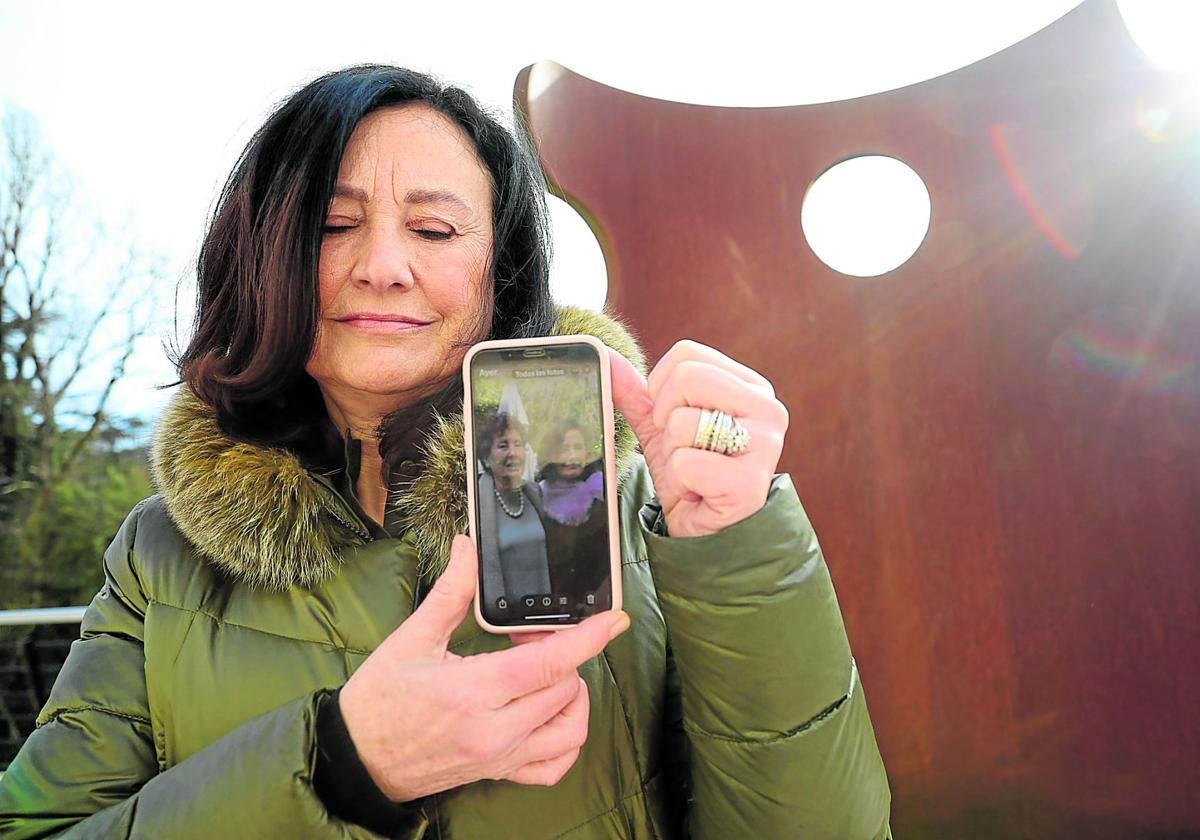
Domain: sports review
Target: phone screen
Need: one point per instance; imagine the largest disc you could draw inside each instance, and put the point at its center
(541, 496)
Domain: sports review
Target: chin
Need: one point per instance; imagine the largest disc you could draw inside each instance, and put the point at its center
(372, 377)
(382, 372)
(382, 386)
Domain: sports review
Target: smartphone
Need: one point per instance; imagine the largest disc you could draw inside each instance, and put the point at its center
(541, 482)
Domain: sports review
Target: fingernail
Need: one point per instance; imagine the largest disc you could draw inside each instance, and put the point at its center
(619, 625)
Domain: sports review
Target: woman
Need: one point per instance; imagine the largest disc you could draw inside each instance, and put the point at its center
(510, 526)
(283, 645)
(571, 487)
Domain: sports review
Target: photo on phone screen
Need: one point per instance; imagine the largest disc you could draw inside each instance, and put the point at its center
(541, 494)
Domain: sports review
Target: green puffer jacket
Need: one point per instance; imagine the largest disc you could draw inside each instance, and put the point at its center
(249, 587)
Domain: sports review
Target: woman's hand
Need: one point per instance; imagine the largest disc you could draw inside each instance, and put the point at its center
(701, 491)
(425, 720)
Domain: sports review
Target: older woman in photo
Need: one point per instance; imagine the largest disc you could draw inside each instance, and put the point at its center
(284, 647)
(512, 539)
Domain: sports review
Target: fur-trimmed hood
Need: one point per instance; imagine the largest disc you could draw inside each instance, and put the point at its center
(257, 514)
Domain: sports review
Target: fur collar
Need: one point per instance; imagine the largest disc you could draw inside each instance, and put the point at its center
(259, 516)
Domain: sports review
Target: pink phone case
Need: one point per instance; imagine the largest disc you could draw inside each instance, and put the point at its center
(610, 483)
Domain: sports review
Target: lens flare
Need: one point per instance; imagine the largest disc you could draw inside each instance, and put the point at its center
(1129, 345)
(1054, 196)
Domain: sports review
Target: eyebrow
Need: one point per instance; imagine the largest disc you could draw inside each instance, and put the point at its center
(431, 196)
(436, 197)
(347, 191)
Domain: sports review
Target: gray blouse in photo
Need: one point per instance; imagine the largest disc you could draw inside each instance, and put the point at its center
(514, 548)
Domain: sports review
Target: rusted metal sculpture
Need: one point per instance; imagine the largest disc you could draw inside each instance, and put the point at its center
(999, 441)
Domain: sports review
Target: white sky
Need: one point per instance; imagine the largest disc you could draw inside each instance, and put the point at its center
(148, 104)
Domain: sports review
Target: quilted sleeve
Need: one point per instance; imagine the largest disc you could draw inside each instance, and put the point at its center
(780, 741)
(90, 769)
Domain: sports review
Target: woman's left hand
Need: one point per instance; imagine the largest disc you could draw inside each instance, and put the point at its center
(701, 491)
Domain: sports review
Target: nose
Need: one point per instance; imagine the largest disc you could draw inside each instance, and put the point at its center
(384, 259)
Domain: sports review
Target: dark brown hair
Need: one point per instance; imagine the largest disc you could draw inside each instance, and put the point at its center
(257, 296)
(493, 427)
(551, 443)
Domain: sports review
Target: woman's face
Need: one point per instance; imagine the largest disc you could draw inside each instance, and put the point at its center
(572, 455)
(407, 240)
(507, 457)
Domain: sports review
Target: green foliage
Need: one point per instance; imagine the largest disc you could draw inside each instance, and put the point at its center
(547, 399)
(53, 558)
(65, 482)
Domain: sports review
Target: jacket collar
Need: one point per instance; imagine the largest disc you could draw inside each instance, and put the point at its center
(258, 515)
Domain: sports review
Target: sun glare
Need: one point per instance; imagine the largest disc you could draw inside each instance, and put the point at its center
(1166, 31)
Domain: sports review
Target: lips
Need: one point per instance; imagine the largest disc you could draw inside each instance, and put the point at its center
(381, 322)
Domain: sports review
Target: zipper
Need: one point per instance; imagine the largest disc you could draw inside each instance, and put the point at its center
(340, 511)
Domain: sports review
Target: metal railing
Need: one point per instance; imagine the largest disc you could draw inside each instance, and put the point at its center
(48, 615)
(29, 664)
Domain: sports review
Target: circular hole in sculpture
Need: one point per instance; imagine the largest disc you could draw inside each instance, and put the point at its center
(866, 216)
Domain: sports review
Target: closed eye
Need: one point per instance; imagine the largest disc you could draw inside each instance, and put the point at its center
(434, 235)
(339, 223)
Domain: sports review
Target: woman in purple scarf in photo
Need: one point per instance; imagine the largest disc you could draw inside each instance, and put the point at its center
(573, 512)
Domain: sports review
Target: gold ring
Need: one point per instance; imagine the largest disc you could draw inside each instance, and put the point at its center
(721, 433)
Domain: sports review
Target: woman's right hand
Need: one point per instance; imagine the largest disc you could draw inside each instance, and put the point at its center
(424, 720)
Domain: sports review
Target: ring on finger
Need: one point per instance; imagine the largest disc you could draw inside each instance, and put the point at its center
(720, 432)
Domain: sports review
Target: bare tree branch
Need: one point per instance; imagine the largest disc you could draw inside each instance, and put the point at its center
(136, 331)
(49, 332)
(82, 356)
